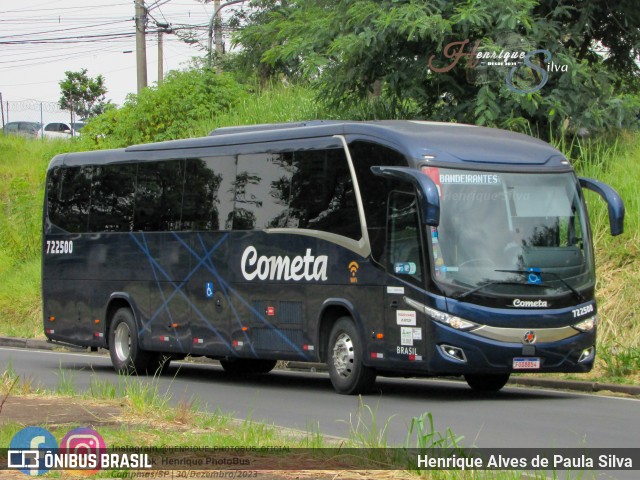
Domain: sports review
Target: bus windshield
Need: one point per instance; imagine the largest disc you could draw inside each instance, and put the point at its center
(510, 234)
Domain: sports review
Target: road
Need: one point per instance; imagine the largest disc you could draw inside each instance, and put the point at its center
(515, 417)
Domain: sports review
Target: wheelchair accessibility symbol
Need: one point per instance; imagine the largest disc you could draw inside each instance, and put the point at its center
(209, 290)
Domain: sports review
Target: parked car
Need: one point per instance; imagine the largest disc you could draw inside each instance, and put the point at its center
(61, 130)
(27, 129)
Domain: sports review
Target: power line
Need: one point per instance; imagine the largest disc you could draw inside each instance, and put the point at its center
(57, 9)
(78, 39)
(66, 29)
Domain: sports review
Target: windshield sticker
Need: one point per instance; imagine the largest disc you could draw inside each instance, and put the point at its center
(406, 336)
(470, 179)
(405, 268)
(406, 317)
(446, 269)
(534, 279)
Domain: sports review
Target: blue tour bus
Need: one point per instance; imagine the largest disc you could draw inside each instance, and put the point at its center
(381, 248)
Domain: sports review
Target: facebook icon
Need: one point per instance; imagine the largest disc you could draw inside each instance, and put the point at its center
(27, 449)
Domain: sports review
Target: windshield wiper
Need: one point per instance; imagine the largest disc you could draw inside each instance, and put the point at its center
(496, 282)
(578, 295)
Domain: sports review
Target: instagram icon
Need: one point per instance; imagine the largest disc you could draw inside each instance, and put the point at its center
(83, 441)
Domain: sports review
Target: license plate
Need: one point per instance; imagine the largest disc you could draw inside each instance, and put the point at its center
(529, 363)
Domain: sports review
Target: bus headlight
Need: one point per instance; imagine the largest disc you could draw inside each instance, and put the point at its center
(587, 325)
(450, 320)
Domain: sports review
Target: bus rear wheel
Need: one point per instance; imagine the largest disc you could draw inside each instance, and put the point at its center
(248, 366)
(487, 382)
(126, 355)
(348, 374)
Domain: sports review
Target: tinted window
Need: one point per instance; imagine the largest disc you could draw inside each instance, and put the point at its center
(262, 190)
(112, 198)
(159, 196)
(209, 193)
(322, 195)
(405, 257)
(68, 198)
(374, 189)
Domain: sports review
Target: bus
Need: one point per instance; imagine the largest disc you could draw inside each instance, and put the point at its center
(391, 248)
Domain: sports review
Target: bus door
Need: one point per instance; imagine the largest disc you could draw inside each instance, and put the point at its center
(404, 331)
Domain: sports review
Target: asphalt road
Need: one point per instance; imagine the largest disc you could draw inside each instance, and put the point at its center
(515, 417)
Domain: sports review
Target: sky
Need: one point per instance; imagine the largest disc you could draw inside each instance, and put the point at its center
(40, 40)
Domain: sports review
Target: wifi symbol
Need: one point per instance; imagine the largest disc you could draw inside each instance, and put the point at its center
(353, 268)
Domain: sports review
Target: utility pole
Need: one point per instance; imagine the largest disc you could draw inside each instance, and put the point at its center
(160, 66)
(141, 46)
(218, 28)
(162, 28)
(215, 22)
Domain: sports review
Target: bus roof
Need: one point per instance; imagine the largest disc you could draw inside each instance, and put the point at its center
(420, 141)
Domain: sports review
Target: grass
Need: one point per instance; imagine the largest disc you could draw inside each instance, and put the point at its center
(23, 163)
(159, 424)
(616, 163)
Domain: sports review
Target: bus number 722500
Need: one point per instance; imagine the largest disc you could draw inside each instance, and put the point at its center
(59, 247)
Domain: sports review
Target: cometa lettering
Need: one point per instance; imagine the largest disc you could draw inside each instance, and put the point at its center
(530, 303)
(307, 267)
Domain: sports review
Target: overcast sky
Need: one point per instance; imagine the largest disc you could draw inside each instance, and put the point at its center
(40, 40)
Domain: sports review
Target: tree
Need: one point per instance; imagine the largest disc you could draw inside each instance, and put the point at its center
(420, 58)
(82, 94)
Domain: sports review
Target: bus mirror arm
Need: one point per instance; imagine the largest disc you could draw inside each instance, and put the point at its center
(614, 202)
(428, 195)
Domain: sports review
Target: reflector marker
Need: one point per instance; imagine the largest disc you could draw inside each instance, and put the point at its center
(198, 340)
(237, 343)
(164, 338)
(98, 334)
(50, 331)
(309, 348)
(377, 355)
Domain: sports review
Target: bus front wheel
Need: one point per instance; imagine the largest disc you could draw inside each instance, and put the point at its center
(125, 354)
(349, 375)
(488, 382)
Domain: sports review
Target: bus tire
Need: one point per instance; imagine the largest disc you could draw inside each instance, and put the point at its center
(345, 353)
(248, 366)
(126, 355)
(487, 382)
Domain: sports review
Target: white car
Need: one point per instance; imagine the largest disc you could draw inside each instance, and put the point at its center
(60, 130)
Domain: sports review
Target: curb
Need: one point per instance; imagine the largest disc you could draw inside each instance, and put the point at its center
(573, 385)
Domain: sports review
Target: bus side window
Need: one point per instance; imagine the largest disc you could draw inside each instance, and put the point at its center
(209, 193)
(374, 189)
(262, 189)
(322, 193)
(113, 189)
(70, 210)
(159, 196)
(404, 253)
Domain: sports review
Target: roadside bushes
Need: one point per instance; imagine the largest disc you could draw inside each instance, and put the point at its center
(166, 112)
